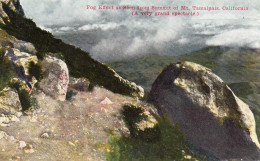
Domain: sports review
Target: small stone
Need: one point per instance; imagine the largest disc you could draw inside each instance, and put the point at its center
(106, 101)
(33, 119)
(14, 119)
(28, 149)
(3, 150)
(45, 135)
(71, 143)
(2, 135)
(19, 114)
(11, 138)
(5, 125)
(187, 157)
(22, 144)
(4, 120)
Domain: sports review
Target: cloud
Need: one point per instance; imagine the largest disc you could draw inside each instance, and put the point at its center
(107, 26)
(111, 34)
(238, 37)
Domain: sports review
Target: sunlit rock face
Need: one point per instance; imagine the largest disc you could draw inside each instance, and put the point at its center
(208, 112)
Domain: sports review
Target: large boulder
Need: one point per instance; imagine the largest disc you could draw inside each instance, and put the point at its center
(55, 78)
(213, 119)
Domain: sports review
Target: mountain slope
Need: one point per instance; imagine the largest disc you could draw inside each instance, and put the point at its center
(79, 62)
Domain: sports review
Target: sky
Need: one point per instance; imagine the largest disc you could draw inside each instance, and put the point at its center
(117, 34)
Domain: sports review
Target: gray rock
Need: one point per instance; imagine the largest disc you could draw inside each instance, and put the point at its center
(25, 47)
(209, 114)
(56, 78)
(9, 102)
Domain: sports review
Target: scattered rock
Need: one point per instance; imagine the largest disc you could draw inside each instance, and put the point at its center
(22, 144)
(207, 111)
(33, 119)
(4, 121)
(56, 78)
(106, 101)
(18, 114)
(2, 134)
(28, 149)
(9, 102)
(13, 118)
(45, 135)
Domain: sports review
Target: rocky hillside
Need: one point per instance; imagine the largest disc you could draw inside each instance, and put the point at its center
(78, 61)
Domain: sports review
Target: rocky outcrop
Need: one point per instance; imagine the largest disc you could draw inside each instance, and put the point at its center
(138, 91)
(20, 62)
(208, 112)
(55, 78)
(14, 5)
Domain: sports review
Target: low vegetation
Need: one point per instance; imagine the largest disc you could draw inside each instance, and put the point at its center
(24, 95)
(6, 72)
(160, 143)
(35, 70)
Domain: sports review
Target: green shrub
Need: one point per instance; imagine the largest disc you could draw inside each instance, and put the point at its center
(15, 85)
(165, 141)
(25, 99)
(35, 70)
(132, 116)
(24, 96)
(6, 72)
(70, 94)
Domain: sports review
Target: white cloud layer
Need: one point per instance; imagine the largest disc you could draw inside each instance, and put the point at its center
(237, 37)
(113, 34)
